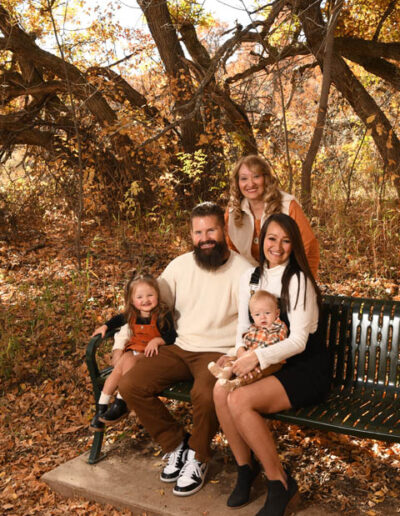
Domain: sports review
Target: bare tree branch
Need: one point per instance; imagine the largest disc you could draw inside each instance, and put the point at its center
(364, 48)
(274, 57)
(353, 91)
(385, 16)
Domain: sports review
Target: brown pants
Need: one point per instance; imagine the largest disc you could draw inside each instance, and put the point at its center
(141, 384)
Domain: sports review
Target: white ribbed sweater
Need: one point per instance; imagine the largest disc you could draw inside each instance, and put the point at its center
(303, 319)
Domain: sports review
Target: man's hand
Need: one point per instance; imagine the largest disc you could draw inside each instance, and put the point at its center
(245, 364)
(152, 347)
(101, 329)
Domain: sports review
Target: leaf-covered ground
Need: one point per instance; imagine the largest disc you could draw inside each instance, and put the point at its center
(48, 309)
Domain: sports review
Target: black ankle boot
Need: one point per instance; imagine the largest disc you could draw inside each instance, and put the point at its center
(115, 413)
(96, 425)
(241, 494)
(279, 500)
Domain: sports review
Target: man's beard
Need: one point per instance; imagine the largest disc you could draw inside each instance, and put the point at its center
(212, 258)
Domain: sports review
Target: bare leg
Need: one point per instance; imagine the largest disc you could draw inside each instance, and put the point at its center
(130, 361)
(245, 406)
(239, 448)
(126, 362)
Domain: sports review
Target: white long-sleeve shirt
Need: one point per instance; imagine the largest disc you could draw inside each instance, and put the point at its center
(303, 319)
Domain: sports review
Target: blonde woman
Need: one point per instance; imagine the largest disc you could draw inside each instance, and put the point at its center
(254, 195)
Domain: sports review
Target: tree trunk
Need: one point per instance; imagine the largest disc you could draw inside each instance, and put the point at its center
(237, 119)
(353, 91)
(172, 56)
(321, 116)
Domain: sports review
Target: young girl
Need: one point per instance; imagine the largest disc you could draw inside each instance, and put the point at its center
(149, 325)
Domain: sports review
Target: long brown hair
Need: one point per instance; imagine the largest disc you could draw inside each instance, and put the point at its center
(297, 259)
(131, 313)
(272, 196)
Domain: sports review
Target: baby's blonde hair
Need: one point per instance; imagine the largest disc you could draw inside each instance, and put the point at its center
(263, 294)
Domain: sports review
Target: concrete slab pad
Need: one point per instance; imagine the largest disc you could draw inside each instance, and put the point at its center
(132, 482)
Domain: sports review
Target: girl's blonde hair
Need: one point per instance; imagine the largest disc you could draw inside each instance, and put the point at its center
(272, 196)
(131, 312)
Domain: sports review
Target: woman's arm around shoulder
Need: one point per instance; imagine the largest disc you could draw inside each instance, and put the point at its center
(227, 237)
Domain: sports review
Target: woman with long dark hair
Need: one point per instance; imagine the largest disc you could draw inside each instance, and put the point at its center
(303, 380)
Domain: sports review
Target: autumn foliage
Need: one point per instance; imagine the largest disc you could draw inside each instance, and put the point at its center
(109, 134)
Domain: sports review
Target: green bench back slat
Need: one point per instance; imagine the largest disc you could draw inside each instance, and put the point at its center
(375, 346)
(363, 337)
(337, 324)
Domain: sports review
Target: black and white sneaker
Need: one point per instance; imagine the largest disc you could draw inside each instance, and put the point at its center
(191, 477)
(176, 460)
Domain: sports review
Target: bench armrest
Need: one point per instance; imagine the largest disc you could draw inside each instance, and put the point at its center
(95, 374)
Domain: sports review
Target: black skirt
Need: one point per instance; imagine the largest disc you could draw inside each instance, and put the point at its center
(306, 376)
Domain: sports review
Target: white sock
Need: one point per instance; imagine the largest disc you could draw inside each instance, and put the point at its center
(104, 398)
(119, 396)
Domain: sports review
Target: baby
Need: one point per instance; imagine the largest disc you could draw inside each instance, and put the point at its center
(267, 329)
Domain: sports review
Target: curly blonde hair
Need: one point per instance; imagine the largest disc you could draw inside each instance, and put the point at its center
(272, 196)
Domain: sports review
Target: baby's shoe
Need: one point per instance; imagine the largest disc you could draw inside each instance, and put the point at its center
(218, 371)
(214, 369)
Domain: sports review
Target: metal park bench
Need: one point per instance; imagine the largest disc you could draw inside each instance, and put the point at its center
(363, 337)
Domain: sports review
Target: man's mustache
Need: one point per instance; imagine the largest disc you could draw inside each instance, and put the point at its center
(207, 242)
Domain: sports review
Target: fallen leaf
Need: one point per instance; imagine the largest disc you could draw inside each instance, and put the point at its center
(71, 429)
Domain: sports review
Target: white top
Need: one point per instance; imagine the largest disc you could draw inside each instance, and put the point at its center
(121, 337)
(303, 319)
(205, 302)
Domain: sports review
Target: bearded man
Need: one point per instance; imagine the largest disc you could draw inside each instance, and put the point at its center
(203, 287)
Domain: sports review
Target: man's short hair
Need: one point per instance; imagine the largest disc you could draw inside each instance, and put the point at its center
(208, 209)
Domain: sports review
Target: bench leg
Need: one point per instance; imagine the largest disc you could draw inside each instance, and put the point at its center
(95, 451)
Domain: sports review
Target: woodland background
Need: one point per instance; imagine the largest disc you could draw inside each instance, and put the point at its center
(109, 134)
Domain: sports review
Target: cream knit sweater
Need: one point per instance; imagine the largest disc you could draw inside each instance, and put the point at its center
(205, 302)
